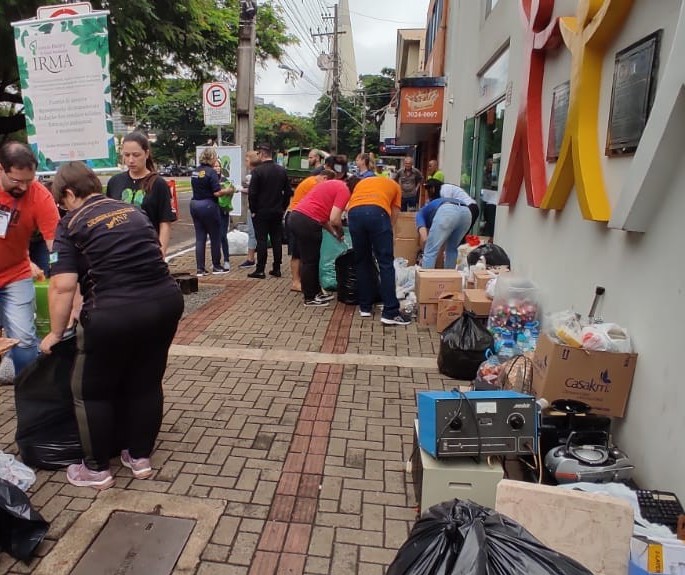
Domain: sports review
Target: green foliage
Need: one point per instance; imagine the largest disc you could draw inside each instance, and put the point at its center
(174, 115)
(282, 130)
(379, 90)
(150, 41)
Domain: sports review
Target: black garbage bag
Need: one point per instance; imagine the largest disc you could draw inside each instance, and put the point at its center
(346, 278)
(464, 538)
(21, 527)
(462, 348)
(47, 432)
(494, 255)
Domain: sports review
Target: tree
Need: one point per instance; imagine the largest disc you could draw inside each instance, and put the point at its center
(349, 123)
(174, 115)
(149, 42)
(282, 130)
(379, 92)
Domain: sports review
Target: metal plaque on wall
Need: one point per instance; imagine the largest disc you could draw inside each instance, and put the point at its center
(557, 121)
(632, 94)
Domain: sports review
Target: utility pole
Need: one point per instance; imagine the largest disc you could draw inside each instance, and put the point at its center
(335, 74)
(363, 120)
(244, 98)
(336, 84)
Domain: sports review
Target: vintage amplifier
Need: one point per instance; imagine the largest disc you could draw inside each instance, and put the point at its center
(474, 423)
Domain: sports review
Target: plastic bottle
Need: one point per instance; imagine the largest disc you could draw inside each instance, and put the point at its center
(532, 331)
(506, 350)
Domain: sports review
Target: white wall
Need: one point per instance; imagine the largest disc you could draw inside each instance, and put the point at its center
(568, 256)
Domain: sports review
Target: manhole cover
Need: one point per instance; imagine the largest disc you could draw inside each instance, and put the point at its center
(136, 544)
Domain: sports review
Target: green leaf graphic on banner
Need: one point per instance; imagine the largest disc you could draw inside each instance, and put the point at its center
(24, 35)
(108, 108)
(108, 89)
(110, 127)
(23, 72)
(46, 28)
(91, 38)
(28, 108)
(16, 33)
(30, 129)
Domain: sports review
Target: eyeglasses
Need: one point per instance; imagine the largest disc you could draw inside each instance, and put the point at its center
(16, 182)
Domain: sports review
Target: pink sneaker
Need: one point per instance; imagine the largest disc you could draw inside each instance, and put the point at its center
(140, 467)
(78, 474)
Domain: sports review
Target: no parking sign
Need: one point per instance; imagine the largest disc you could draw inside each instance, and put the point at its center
(216, 104)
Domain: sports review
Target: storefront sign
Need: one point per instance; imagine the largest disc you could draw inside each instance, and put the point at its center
(421, 105)
(65, 85)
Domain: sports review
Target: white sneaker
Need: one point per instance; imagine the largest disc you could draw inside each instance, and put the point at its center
(226, 266)
(365, 313)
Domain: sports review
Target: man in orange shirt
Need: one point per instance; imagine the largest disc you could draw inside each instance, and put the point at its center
(371, 213)
(25, 206)
(302, 189)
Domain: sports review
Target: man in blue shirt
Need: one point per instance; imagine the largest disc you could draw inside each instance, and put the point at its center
(444, 221)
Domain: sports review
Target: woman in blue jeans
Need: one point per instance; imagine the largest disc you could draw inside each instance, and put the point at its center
(205, 211)
(444, 222)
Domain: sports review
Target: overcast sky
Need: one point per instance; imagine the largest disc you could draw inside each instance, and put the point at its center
(374, 29)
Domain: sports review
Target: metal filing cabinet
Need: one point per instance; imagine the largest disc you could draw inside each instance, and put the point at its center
(436, 480)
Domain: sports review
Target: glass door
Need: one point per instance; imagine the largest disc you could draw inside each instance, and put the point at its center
(481, 153)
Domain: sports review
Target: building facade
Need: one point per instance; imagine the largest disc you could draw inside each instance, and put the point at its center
(594, 194)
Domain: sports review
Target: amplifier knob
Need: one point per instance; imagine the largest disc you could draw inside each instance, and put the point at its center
(456, 424)
(516, 421)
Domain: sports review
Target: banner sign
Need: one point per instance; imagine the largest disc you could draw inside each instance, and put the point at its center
(421, 105)
(65, 85)
(216, 104)
(231, 170)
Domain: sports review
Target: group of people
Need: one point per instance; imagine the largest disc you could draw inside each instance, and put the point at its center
(371, 205)
(109, 281)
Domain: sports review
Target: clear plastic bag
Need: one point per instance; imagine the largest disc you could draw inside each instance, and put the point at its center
(405, 277)
(564, 327)
(606, 337)
(16, 472)
(237, 243)
(516, 302)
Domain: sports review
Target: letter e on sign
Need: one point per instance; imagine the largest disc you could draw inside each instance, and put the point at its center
(216, 104)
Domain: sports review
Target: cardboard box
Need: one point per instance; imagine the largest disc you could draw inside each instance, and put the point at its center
(598, 378)
(431, 284)
(405, 226)
(407, 248)
(428, 314)
(657, 555)
(450, 308)
(477, 302)
(481, 278)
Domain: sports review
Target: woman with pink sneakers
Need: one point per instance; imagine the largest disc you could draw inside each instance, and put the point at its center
(130, 312)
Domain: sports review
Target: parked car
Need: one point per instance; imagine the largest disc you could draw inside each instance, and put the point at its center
(174, 171)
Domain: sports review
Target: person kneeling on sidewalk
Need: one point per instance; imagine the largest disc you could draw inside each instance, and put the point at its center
(320, 209)
(112, 250)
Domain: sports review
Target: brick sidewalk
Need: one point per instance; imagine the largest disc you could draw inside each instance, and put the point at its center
(302, 458)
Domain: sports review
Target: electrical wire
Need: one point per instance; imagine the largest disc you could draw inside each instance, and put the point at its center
(413, 23)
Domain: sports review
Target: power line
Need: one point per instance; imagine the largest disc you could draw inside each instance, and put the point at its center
(414, 23)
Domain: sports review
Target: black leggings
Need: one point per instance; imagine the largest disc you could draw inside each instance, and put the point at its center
(117, 377)
(308, 235)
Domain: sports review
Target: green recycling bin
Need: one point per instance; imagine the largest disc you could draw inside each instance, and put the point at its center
(42, 308)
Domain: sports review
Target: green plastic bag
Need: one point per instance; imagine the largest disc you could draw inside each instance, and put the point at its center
(331, 248)
(226, 203)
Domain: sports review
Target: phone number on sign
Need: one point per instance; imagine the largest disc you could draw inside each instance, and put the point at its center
(422, 114)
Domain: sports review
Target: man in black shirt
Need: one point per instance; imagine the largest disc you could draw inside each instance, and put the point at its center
(268, 198)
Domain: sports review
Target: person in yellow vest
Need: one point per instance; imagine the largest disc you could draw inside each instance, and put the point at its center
(434, 172)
